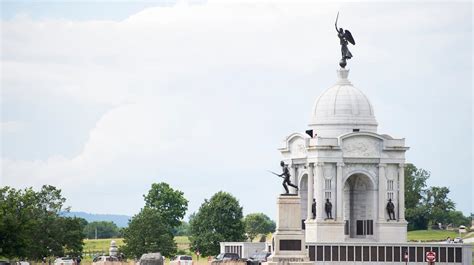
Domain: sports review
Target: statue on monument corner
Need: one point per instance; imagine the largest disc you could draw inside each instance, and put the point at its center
(328, 208)
(391, 210)
(286, 177)
(345, 37)
(313, 208)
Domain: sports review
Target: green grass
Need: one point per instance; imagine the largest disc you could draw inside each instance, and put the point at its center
(431, 235)
(100, 245)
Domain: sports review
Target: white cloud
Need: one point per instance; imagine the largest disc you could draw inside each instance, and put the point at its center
(184, 107)
(11, 126)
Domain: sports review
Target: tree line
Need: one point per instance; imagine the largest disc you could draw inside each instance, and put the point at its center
(31, 226)
(426, 207)
(218, 219)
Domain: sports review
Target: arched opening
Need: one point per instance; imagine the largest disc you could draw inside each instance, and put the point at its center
(303, 192)
(359, 206)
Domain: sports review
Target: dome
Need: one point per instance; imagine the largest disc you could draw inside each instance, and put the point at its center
(341, 109)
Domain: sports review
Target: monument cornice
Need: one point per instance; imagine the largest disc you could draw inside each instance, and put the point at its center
(355, 160)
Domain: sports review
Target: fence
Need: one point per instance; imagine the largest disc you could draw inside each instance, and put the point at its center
(379, 253)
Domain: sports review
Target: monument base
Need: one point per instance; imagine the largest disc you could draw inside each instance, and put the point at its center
(392, 231)
(324, 231)
(288, 242)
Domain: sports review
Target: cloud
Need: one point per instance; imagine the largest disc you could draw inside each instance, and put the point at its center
(12, 126)
(201, 95)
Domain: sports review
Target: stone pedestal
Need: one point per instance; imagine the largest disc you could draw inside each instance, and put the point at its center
(392, 231)
(324, 231)
(288, 242)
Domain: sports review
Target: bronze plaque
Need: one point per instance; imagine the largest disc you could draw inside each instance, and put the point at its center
(290, 244)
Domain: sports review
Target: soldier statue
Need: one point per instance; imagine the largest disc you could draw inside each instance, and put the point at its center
(313, 208)
(328, 208)
(391, 210)
(286, 177)
(345, 37)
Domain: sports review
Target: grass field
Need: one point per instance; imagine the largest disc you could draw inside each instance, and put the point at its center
(430, 235)
(102, 246)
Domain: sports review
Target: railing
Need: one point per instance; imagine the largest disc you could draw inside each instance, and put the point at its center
(388, 252)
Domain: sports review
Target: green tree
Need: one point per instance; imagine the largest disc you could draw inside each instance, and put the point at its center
(258, 224)
(148, 232)
(217, 220)
(31, 227)
(152, 229)
(457, 218)
(72, 235)
(182, 229)
(439, 204)
(416, 211)
(415, 185)
(418, 217)
(104, 229)
(169, 202)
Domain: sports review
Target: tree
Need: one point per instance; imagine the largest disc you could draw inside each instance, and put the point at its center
(217, 220)
(416, 211)
(31, 227)
(72, 235)
(182, 229)
(152, 229)
(258, 223)
(415, 185)
(457, 218)
(169, 202)
(148, 232)
(104, 230)
(439, 204)
(418, 217)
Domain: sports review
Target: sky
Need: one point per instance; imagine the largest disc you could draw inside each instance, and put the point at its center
(102, 99)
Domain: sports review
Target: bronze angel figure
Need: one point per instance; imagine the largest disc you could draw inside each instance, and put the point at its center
(345, 37)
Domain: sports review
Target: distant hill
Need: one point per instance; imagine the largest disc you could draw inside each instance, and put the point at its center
(119, 220)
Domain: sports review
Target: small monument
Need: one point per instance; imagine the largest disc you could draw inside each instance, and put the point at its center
(113, 250)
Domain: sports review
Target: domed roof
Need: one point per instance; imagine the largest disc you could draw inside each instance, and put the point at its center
(342, 108)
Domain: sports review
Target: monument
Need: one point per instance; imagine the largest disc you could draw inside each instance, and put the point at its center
(347, 201)
(354, 173)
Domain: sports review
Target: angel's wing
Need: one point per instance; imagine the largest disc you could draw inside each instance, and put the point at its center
(348, 37)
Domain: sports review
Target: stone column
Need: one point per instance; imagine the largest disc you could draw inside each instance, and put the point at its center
(319, 191)
(309, 212)
(382, 191)
(339, 191)
(294, 178)
(401, 192)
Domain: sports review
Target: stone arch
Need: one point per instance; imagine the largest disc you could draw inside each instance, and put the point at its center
(359, 205)
(362, 171)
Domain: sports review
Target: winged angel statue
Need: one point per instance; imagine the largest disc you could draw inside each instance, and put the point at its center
(345, 37)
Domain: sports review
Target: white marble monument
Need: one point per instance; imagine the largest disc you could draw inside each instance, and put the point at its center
(348, 162)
